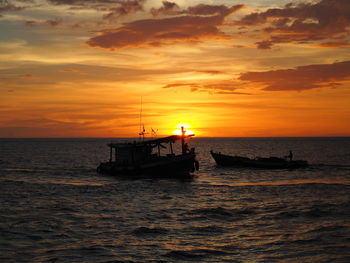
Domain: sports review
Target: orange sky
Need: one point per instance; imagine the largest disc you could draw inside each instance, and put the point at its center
(74, 68)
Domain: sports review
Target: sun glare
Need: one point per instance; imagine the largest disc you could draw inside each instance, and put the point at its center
(186, 127)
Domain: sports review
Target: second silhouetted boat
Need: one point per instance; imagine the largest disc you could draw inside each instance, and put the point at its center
(259, 162)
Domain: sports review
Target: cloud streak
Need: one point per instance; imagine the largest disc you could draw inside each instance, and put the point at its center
(81, 2)
(219, 87)
(50, 22)
(302, 78)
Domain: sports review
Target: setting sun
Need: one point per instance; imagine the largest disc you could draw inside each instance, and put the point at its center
(186, 126)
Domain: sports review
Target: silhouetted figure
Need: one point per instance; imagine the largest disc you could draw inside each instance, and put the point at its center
(186, 149)
(290, 156)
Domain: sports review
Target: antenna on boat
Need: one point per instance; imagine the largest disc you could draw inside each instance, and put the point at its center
(142, 126)
(154, 132)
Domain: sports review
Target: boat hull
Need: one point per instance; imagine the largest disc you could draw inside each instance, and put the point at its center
(262, 163)
(167, 166)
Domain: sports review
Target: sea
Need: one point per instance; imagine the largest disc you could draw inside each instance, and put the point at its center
(56, 208)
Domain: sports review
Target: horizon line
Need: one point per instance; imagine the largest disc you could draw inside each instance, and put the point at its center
(76, 137)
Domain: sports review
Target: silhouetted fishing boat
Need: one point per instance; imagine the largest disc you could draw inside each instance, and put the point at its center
(139, 158)
(259, 162)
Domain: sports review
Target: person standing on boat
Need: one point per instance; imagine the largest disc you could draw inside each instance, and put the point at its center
(186, 148)
(290, 156)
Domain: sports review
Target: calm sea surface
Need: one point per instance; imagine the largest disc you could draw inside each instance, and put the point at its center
(55, 208)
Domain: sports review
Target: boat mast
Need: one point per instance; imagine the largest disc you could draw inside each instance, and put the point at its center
(183, 140)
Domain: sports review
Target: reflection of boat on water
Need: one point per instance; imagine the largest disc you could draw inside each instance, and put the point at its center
(139, 158)
(265, 163)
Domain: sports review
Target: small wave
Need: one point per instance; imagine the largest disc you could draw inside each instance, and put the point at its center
(213, 252)
(35, 237)
(306, 241)
(331, 165)
(213, 213)
(328, 229)
(146, 231)
(24, 170)
(207, 230)
(183, 255)
(221, 213)
(316, 212)
(310, 212)
(296, 242)
(195, 254)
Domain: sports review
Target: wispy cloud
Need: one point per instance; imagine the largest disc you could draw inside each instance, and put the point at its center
(217, 87)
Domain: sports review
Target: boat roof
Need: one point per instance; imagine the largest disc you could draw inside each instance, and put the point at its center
(169, 139)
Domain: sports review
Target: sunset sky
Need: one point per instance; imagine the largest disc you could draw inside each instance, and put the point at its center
(79, 68)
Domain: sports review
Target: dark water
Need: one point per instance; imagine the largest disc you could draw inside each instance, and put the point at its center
(55, 208)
